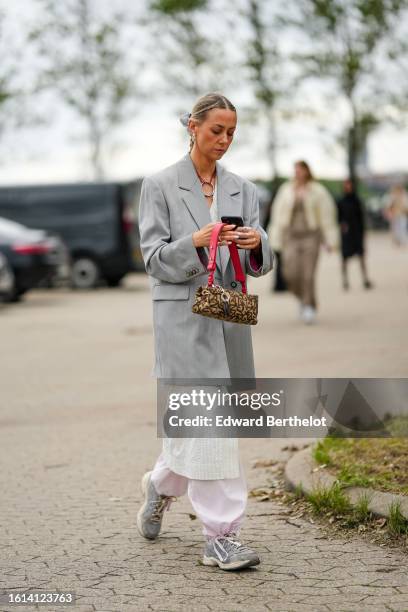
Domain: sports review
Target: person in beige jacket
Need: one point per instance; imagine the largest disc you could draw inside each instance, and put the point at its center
(303, 217)
(397, 214)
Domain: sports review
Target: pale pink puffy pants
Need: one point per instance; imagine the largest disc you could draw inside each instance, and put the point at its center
(219, 504)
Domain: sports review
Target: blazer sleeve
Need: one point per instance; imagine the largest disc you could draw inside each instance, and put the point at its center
(261, 263)
(172, 261)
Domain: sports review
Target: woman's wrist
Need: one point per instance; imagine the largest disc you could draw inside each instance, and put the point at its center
(196, 240)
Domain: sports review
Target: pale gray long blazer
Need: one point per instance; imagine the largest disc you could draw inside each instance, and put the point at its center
(188, 345)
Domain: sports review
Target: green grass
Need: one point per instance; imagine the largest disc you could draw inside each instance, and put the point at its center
(333, 502)
(326, 499)
(397, 426)
(361, 509)
(397, 523)
(359, 514)
(380, 463)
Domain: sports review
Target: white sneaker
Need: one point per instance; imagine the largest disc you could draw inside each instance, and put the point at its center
(308, 315)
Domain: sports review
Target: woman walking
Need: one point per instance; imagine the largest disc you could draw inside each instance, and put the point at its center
(179, 208)
(350, 211)
(397, 214)
(303, 216)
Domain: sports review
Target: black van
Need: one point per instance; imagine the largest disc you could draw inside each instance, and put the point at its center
(97, 222)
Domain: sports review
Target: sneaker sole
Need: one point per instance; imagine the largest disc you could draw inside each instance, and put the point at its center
(230, 566)
(144, 483)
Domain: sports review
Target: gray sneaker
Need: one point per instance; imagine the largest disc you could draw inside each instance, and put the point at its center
(228, 553)
(150, 515)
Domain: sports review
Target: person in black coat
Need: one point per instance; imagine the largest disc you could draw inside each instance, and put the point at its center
(279, 283)
(351, 219)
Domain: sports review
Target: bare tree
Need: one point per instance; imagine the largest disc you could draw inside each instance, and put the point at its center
(398, 107)
(192, 55)
(346, 38)
(266, 70)
(15, 111)
(7, 91)
(84, 61)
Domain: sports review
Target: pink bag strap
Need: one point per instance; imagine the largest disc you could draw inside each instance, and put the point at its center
(239, 274)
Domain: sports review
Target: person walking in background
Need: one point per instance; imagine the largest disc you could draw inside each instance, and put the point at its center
(350, 211)
(179, 207)
(303, 217)
(397, 214)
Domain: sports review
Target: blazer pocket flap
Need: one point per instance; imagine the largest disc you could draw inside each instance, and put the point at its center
(171, 292)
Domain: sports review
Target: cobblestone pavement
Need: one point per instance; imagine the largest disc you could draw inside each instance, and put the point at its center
(77, 431)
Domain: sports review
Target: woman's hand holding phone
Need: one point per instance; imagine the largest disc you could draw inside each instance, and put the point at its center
(247, 238)
(202, 237)
(244, 237)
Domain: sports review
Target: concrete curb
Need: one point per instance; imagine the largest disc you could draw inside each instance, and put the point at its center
(302, 470)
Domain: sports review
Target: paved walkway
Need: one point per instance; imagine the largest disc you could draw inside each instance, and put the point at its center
(77, 431)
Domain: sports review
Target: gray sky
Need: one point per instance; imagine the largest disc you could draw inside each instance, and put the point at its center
(155, 139)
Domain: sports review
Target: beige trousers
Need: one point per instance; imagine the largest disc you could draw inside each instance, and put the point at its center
(300, 252)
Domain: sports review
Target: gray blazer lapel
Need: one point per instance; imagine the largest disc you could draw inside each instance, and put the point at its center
(229, 197)
(191, 192)
(193, 197)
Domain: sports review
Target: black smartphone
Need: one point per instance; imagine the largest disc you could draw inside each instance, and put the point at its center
(238, 221)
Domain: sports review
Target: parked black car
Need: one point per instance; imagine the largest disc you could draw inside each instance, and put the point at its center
(97, 222)
(33, 257)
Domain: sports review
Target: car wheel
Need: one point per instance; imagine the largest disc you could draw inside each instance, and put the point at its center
(17, 295)
(13, 293)
(85, 273)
